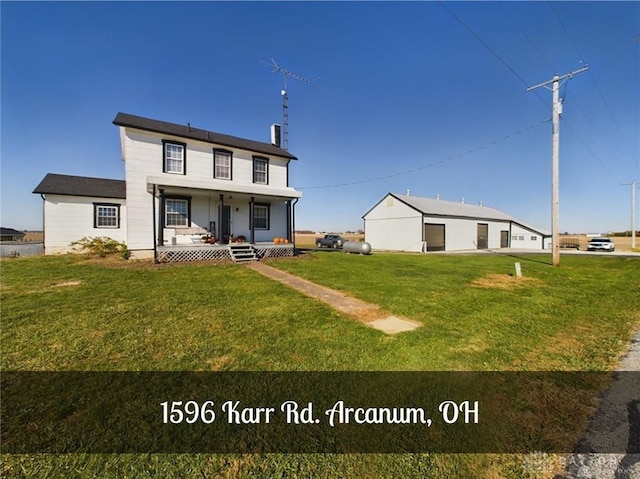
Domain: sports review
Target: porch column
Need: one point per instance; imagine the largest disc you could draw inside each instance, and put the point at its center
(289, 216)
(293, 221)
(161, 218)
(221, 228)
(252, 230)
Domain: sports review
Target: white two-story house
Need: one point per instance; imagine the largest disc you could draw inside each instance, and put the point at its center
(184, 188)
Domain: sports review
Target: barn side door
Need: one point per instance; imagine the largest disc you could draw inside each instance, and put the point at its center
(434, 237)
(504, 239)
(483, 236)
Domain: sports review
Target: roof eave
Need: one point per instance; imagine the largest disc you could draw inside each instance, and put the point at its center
(156, 126)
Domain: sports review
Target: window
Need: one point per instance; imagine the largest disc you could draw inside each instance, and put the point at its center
(176, 212)
(222, 164)
(260, 170)
(520, 238)
(260, 217)
(106, 215)
(174, 158)
(534, 238)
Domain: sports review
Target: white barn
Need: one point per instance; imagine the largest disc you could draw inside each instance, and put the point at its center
(412, 223)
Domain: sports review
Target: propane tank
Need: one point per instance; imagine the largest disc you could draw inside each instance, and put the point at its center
(360, 247)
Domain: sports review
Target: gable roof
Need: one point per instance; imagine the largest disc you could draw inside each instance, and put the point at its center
(435, 207)
(81, 186)
(187, 131)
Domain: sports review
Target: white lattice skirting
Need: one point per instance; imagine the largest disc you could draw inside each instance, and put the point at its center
(177, 254)
(274, 251)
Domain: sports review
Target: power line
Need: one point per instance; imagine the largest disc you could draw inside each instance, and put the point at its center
(564, 27)
(512, 70)
(533, 45)
(602, 137)
(615, 122)
(430, 165)
(588, 148)
(486, 45)
(491, 50)
(564, 94)
(593, 79)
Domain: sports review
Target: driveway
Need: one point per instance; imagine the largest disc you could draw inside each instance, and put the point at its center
(615, 426)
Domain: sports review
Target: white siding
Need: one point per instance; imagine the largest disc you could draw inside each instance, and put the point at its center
(143, 155)
(462, 233)
(141, 158)
(204, 209)
(525, 238)
(277, 226)
(240, 220)
(392, 225)
(145, 150)
(70, 218)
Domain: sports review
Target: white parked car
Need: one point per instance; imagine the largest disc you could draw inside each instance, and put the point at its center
(601, 244)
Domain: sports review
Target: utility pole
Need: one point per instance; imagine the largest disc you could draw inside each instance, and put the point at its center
(555, 161)
(633, 213)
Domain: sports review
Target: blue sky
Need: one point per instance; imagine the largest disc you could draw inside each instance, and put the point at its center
(405, 96)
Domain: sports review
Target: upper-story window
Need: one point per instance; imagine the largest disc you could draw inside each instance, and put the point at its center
(222, 160)
(260, 170)
(175, 157)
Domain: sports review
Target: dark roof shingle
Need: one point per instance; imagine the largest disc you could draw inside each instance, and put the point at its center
(10, 232)
(187, 131)
(81, 186)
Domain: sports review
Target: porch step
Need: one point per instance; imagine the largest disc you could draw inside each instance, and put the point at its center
(242, 252)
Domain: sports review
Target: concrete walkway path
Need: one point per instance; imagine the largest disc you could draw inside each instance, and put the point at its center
(367, 313)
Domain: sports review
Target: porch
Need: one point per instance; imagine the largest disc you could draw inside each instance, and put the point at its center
(233, 252)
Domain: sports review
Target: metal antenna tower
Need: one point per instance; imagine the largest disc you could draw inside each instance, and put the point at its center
(285, 98)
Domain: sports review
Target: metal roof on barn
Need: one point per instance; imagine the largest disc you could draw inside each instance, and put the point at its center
(437, 207)
(187, 131)
(444, 208)
(68, 185)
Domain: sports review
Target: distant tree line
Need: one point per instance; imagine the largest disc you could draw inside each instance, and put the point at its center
(615, 233)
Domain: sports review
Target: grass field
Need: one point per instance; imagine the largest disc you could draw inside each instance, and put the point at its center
(73, 313)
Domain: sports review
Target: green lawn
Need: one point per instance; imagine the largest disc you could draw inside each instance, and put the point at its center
(70, 313)
(579, 316)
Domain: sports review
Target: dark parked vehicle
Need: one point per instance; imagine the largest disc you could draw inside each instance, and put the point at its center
(601, 244)
(330, 241)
